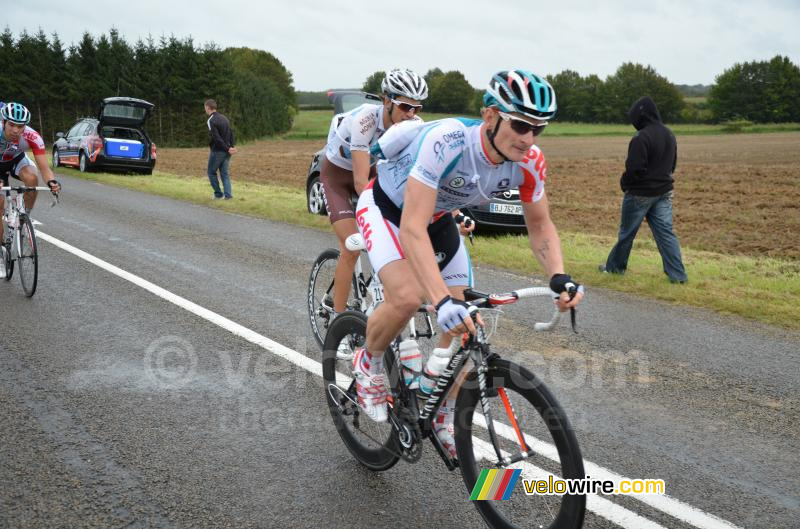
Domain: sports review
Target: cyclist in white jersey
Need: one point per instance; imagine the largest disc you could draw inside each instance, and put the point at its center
(431, 169)
(16, 137)
(347, 164)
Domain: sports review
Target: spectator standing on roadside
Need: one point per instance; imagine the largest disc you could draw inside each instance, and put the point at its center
(648, 186)
(221, 142)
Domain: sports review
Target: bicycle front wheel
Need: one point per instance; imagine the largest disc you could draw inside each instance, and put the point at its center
(526, 419)
(28, 259)
(372, 444)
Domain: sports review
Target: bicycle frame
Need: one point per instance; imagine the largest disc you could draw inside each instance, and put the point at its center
(13, 209)
(475, 348)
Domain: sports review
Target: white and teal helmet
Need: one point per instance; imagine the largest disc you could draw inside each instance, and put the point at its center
(405, 83)
(15, 113)
(523, 92)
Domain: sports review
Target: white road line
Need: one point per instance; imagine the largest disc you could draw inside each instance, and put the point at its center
(605, 508)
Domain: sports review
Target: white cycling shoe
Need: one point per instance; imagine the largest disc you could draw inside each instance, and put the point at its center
(371, 389)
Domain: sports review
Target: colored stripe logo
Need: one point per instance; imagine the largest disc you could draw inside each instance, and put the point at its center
(495, 484)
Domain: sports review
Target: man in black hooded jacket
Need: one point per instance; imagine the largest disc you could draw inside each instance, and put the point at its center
(647, 183)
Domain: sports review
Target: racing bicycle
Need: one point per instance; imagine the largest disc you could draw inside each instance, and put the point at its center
(19, 249)
(505, 418)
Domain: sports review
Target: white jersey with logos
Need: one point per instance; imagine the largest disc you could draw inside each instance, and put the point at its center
(449, 155)
(356, 130)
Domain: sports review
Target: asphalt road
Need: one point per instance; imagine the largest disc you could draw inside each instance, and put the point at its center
(124, 409)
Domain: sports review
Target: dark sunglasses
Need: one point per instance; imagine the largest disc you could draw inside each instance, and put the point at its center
(522, 127)
(406, 107)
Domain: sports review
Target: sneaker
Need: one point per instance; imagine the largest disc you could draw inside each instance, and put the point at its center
(228, 198)
(444, 429)
(370, 388)
(217, 198)
(602, 268)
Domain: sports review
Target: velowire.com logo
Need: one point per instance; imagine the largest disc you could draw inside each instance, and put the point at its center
(494, 484)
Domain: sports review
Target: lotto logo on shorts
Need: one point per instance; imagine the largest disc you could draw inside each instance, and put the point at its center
(366, 230)
(494, 484)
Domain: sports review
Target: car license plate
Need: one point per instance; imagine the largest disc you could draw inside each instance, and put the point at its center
(510, 209)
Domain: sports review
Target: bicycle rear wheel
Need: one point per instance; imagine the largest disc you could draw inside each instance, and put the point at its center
(28, 259)
(372, 444)
(526, 417)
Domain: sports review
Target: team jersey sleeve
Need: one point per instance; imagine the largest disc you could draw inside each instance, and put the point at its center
(34, 140)
(362, 128)
(441, 145)
(534, 174)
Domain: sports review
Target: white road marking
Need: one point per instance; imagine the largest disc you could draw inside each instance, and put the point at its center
(605, 508)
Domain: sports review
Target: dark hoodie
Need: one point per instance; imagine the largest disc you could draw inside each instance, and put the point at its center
(652, 152)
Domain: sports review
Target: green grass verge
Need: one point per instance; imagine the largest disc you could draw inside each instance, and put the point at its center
(314, 124)
(763, 289)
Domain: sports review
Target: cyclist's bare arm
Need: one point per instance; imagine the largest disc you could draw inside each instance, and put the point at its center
(418, 208)
(360, 170)
(546, 244)
(44, 169)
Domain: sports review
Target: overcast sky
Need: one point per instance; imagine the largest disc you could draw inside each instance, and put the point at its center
(337, 44)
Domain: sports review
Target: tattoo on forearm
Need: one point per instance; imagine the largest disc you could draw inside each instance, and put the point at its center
(543, 249)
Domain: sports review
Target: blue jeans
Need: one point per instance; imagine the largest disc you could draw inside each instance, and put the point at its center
(219, 161)
(658, 212)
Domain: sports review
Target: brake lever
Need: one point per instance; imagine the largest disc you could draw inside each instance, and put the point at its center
(572, 314)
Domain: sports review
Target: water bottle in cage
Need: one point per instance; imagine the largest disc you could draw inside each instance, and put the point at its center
(437, 362)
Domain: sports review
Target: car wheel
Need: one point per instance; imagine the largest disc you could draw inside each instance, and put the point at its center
(83, 162)
(316, 201)
(56, 161)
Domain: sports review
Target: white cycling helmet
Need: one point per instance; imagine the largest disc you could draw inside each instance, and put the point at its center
(405, 83)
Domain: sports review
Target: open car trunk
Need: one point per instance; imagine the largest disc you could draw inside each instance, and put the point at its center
(124, 142)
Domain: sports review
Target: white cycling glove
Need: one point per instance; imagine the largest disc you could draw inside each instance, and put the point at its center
(450, 313)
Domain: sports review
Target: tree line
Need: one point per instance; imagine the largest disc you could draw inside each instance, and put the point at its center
(60, 84)
(766, 91)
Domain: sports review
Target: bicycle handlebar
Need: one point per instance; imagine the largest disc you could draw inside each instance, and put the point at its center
(26, 189)
(477, 299)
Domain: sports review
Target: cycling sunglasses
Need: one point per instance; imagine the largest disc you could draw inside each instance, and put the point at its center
(406, 107)
(522, 127)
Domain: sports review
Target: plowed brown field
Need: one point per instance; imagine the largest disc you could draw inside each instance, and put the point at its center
(736, 194)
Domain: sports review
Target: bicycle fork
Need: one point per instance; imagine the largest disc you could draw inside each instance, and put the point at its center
(485, 392)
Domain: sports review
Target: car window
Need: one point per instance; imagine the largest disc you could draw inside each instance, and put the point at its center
(351, 101)
(74, 131)
(124, 111)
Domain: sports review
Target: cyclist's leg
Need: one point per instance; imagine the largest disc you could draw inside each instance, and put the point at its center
(27, 173)
(402, 297)
(337, 192)
(345, 265)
